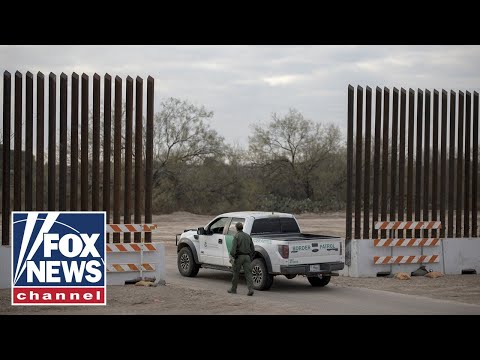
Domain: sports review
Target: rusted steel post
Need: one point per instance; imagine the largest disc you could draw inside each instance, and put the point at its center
(358, 163)
(393, 167)
(418, 160)
(29, 142)
(96, 144)
(466, 192)
(62, 184)
(458, 213)
(40, 166)
(411, 127)
(426, 160)
(475, 166)
(7, 104)
(117, 159)
(386, 121)
(138, 156)
(17, 145)
(443, 164)
(348, 223)
(128, 157)
(376, 159)
(368, 155)
(348, 230)
(52, 140)
(451, 166)
(74, 145)
(149, 155)
(84, 149)
(107, 139)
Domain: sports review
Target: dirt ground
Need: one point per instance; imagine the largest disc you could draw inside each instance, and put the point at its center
(177, 299)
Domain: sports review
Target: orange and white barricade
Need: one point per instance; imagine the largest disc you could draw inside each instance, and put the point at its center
(415, 247)
(129, 261)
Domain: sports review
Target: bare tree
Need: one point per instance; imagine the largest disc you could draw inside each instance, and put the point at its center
(293, 148)
(182, 135)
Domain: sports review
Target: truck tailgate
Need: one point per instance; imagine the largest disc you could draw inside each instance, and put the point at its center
(315, 251)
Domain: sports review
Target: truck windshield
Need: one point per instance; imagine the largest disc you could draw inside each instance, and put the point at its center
(275, 226)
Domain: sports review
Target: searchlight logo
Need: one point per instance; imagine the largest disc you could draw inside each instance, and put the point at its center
(58, 258)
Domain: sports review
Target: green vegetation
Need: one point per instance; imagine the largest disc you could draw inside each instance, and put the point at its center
(291, 164)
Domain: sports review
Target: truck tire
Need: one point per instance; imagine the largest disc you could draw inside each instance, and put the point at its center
(262, 280)
(316, 281)
(186, 263)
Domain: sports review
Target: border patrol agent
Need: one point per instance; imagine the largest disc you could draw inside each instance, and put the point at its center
(242, 249)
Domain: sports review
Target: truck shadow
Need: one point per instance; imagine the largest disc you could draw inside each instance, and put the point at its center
(281, 284)
(298, 285)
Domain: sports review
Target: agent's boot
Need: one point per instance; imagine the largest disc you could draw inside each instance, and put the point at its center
(250, 292)
(231, 291)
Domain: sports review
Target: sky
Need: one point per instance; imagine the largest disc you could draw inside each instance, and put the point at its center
(243, 85)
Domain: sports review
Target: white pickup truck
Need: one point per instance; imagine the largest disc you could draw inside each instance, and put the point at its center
(280, 248)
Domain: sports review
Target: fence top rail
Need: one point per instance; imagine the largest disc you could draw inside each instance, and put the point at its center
(130, 228)
(407, 225)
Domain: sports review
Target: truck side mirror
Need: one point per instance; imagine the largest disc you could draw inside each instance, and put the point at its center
(201, 231)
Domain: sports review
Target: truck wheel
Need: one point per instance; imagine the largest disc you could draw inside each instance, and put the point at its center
(262, 280)
(186, 263)
(316, 281)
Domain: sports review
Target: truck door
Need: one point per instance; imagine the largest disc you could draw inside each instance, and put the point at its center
(231, 231)
(212, 243)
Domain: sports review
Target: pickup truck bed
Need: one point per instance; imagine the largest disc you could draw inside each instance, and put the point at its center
(294, 236)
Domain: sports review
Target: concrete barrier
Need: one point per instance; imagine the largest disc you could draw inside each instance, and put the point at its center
(151, 257)
(5, 266)
(461, 254)
(456, 254)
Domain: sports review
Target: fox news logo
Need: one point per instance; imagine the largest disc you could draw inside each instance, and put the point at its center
(58, 258)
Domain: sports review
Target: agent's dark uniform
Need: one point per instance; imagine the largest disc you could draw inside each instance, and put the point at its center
(242, 248)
